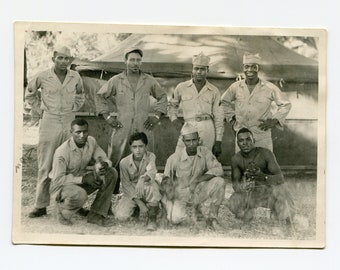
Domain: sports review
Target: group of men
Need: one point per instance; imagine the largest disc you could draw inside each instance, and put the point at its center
(71, 165)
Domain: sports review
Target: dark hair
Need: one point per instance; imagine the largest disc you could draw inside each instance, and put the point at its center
(138, 136)
(79, 122)
(134, 51)
(245, 130)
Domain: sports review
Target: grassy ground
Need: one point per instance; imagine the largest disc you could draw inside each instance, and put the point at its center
(303, 188)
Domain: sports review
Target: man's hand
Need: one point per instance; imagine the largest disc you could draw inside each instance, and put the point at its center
(103, 168)
(268, 123)
(91, 180)
(150, 122)
(140, 187)
(113, 122)
(178, 124)
(143, 210)
(193, 186)
(217, 149)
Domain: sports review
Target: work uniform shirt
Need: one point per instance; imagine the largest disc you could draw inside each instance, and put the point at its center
(188, 168)
(250, 108)
(130, 174)
(55, 97)
(194, 103)
(132, 105)
(70, 162)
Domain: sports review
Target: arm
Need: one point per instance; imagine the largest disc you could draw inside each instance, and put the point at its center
(32, 95)
(100, 154)
(227, 103)
(174, 104)
(79, 96)
(218, 117)
(151, 169)
(275, 177)
(236, 174)
(129, 189)
(283, 105)
(59, 174)
(159, 94)
(102, 98)
(214, 167)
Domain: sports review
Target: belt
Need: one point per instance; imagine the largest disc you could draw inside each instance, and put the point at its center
(199, 118)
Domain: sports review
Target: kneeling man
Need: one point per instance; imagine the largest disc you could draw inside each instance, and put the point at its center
(198, 179)
(73, 180)
(258, 181)
(140, 191)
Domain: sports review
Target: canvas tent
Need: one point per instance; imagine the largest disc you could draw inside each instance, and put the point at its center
(168, 59)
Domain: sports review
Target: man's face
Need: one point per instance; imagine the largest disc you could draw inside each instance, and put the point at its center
(251, 70)
(199, 73)
(245, 142)
(80, 134)
(191, 142)
(138, 149)
(61, 61)
(133, 62)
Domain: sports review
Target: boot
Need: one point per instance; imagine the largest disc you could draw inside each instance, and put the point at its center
(99, 220)
(37, 212)
(152, 216)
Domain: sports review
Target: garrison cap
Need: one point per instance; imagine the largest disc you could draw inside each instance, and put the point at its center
(188, 129)
(201, 60)
(132, 49)
(249, 58)
(63, 50)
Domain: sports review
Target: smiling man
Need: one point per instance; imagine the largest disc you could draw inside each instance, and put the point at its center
(73, 180)
(140, 191)
(131, 91)
(200, 104)
(258, 181)
(248, 103)
(55, 95)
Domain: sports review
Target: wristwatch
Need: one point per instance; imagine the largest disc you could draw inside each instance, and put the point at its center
(157, 116)
(107, 118)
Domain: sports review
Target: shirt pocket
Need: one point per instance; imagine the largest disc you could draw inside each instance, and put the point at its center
(186, 98)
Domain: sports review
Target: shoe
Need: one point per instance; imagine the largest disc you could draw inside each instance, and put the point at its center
(61, 218)
(152, 226)
(99, 220)
(37, 212)
(83, 212)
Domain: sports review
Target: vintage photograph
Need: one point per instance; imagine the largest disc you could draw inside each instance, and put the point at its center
(178, 136)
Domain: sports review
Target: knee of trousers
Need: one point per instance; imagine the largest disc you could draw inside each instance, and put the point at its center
(72, 197)
(177, 215)
(124, 210)
(236, 202)
(111, 176)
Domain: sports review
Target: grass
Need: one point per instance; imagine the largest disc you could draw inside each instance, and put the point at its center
(303, 188)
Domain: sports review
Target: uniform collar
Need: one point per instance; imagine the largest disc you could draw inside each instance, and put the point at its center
(243, 83)
(208, 85)
(53, 74)
(145, 158)
(123, 75)
(184, 154)
(74, 147)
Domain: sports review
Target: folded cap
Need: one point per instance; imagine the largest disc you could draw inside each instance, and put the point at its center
(63, 50)
(131, 49)
(249, 58)
(201, 60)
(188, 129)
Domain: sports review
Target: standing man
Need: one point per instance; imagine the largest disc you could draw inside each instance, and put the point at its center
(247, 103)
(258, 182)
(137, 172)
(61, 95)
(73, 180)
(200, 104)
(199, 177)
(131, 91)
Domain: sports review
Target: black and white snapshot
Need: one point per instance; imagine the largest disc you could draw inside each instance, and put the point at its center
(169, 135)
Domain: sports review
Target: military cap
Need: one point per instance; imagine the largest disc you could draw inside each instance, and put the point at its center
(188, 129)
(131, 49)
(63, 50)
(249, 58)
(201, 60)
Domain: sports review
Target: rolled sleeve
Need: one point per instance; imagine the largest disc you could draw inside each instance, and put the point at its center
(214, 167)
(218, 118)
(227, 103)
(32, 95)
(174, 104)
(159, 94)
(102, 102)
(283, 104)
(79, 99)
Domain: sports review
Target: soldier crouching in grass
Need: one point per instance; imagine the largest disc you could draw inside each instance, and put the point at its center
(140, 191)
(258, 182)
(72, 182)
(198, 178)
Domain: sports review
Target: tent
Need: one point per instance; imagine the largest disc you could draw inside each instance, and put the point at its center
(168, 59)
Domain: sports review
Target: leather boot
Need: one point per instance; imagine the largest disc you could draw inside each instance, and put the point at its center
(37, 212)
